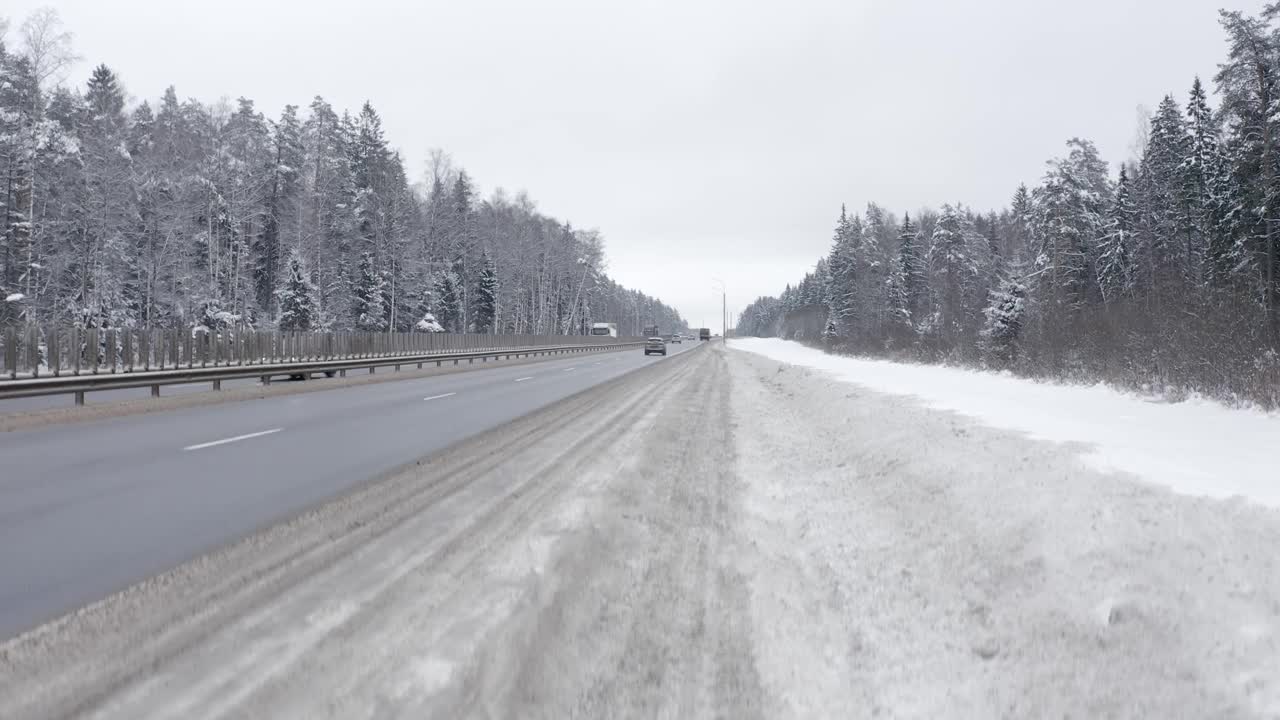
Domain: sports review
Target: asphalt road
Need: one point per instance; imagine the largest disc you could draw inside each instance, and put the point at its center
(571, 563)
(88, 509)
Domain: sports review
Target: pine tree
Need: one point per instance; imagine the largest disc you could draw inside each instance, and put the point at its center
(297, 296)
(243, 181)
(108, 293)
(841, 291)
(955, 274)
(461, 243)
(1004, 318)
(1116, 270)
(486, 296)
(449, 304)
(370, 160)
(329, 211)
(1067, 219)
(1020, 211)
(280, 214)
(912, 269)
(1162, 217)
(1203, 182)
(370, 308)
(19, 146)
(1249, 85)
(873, 264)
(897, 311)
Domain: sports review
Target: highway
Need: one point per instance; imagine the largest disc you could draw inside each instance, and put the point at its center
(87, 509)
(716, 534)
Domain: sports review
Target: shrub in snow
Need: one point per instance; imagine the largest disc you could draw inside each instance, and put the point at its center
(428, 324)
(213, 318)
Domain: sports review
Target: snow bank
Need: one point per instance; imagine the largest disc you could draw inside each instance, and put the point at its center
(15, 297)
(1194, 447)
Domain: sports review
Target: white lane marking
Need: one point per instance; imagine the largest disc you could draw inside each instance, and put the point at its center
(575, 367)
(437, 397)
(524, 378)
(237, 438)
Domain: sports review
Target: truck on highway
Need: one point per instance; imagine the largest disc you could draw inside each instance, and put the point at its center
(704, 333)
(604, 329)
(651, 330)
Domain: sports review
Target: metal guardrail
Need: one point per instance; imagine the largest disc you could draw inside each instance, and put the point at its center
(60, 361)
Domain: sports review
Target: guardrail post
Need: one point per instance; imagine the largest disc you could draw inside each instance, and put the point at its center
(155, 391)
(79, 398)
(217, 385)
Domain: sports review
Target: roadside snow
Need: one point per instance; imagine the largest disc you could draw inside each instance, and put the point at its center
(1194, 447)
(14, 297)
(914, 563)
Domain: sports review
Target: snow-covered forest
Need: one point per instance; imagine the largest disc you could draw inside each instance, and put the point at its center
(1165, 274)
(179, 212)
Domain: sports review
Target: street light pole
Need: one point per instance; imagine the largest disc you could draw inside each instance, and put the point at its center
(724, 308)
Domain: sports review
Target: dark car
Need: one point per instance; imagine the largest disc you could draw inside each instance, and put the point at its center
(655, 345)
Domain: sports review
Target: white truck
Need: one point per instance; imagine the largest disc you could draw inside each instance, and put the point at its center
(605, 329)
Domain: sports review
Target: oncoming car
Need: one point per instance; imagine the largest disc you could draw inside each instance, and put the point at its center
(655, 345)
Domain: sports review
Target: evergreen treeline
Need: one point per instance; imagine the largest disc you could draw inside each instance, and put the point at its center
(185, 213)
(1166, 275)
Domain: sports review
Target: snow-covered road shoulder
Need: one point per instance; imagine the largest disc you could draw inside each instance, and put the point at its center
(1194, 447)
(910, 562)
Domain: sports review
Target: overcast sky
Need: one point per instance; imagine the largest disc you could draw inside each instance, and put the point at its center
(705, 139)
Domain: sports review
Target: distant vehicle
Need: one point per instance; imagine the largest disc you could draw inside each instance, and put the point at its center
(677, 339)
(651, 331)
(655, 345)
(605, 329)
(704, 333)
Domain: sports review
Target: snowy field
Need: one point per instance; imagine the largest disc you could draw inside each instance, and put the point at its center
(1194, 447)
